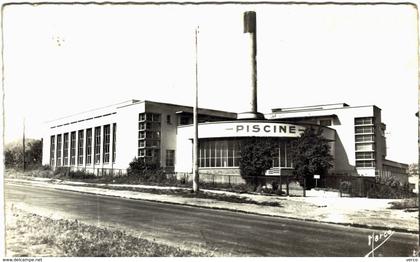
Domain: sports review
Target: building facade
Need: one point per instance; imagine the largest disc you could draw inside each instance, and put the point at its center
(106, 140)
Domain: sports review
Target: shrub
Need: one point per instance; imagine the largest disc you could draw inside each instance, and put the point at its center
(388, 188)
(147, 172)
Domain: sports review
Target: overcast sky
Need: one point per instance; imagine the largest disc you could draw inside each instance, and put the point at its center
(63, 59)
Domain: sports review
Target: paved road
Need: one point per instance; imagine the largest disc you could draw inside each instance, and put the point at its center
(227, 232)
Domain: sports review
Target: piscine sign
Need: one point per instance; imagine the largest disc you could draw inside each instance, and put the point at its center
(269, 128)
(247, 129)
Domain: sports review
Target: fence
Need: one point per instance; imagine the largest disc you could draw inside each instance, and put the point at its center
(94, 171)
(356, 186)
(287, 185)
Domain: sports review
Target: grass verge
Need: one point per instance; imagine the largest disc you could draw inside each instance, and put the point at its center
(190, 194)
(33, 235)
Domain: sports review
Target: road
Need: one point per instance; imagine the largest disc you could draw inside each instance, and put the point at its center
(229, 233)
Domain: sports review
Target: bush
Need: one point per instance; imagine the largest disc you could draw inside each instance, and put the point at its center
(147, 172)
(389, 188)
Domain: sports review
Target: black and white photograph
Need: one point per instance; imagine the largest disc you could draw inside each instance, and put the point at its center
(210, 129)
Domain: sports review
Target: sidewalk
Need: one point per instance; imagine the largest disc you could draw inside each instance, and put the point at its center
(362, 212)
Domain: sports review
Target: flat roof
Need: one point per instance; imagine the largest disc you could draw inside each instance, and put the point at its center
(317, 108)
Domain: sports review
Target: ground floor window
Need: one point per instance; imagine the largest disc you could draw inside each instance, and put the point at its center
(226, 153)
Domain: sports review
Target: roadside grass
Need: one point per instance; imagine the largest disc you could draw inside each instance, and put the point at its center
(33, 235)
(190, 194)
(409, 204)
(184, 191)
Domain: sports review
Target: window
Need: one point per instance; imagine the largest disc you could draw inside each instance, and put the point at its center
(142, 117)
(149, 137)
(325, 122)
(364, 138)
(106, 143)
(59, 143)
(66, 149)
(364, 147)
(365, 163)
(114, 142)
(72, 148)
(168, 120)
(142, 126)
(364, 129)
(52, 151)
(80, 147)
(142, 134)
(363, 121)
(170, 158)
(89, 146)
(365, 155)
(97, 146)
(221, 153)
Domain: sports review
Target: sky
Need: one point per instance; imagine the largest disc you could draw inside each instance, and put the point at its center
(64, 59)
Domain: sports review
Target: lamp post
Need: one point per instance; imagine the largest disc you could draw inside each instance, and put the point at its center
(196, 187)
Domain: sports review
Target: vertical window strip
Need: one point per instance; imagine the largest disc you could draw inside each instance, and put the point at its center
(52, 150)
(66, 149)
(80, 147)
(72, 148)
(106, 143)
(114, 142)
(97, 146)
(59, 143)
(88, 146)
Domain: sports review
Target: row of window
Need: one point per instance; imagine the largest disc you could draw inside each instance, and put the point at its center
(365, 163)
(365, 141)
(63, 146)
(149, 137)
(363, 121)
(226, 153)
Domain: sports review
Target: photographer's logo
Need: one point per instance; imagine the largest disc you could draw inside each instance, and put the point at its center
(376, 240)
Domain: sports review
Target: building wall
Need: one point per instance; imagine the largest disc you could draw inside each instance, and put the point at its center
(343, 121)
(74, 125)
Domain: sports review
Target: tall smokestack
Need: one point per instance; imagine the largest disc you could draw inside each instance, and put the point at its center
(250, 29)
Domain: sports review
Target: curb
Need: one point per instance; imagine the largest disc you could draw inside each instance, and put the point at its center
(357, 225)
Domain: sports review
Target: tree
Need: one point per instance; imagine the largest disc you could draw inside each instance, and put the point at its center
(256, 157)
(13, 154)
(311, 156)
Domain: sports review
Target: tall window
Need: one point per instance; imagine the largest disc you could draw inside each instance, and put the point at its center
(365, 141)
(72, 148)
(52, 150)
(80, 147)
(89, 146)
(114, 142)
(59, 143)
(221, 153)
(97, 147)
(106, 143)
(66, 150)
(170, 158)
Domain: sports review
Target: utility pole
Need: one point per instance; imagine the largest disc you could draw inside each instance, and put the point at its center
(196, 187)
(23, 146)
